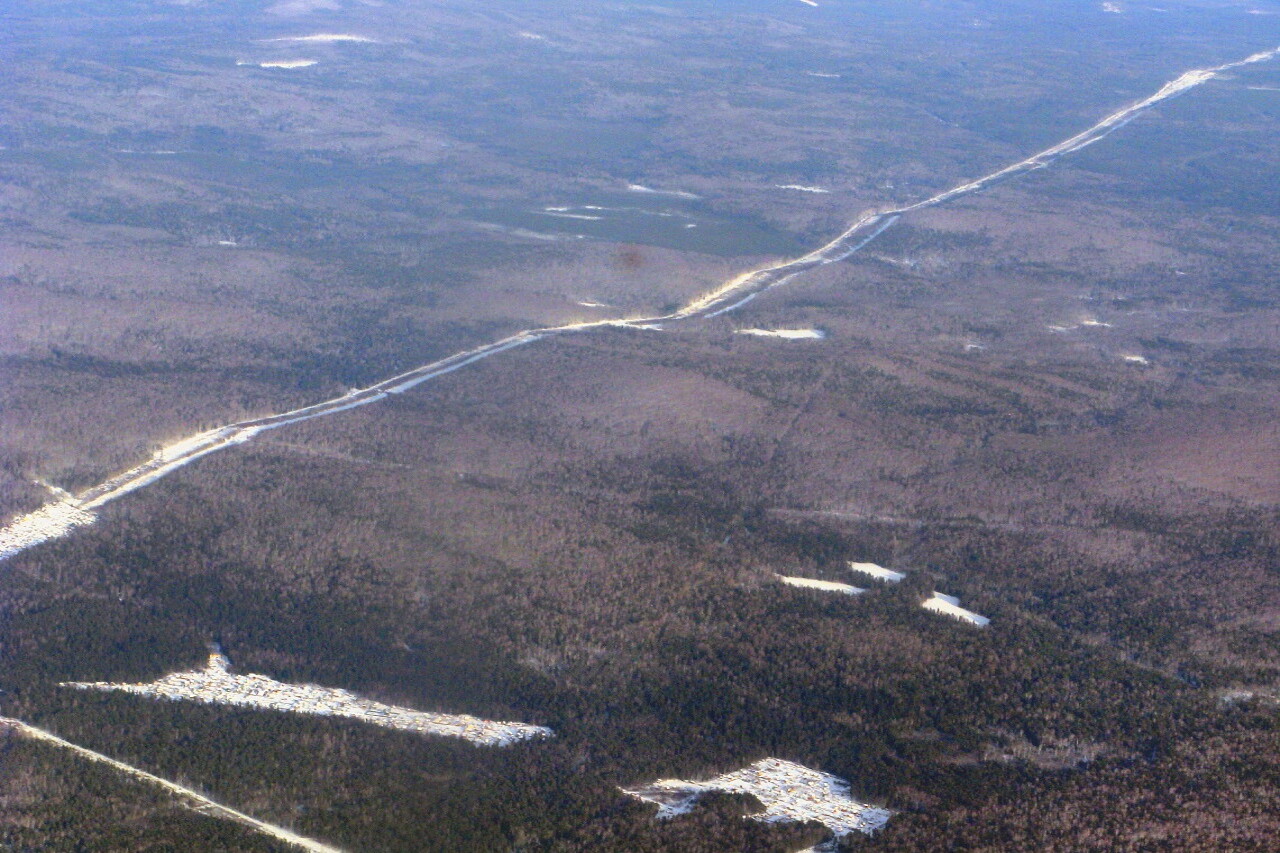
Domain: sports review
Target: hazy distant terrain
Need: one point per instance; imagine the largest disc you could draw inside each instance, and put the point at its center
(1055, 399)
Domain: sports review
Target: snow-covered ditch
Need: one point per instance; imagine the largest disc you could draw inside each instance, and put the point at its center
(790, 793)
(825, 586)
(949, 605)
(215, 686)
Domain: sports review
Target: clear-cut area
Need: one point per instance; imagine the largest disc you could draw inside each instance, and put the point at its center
(790, 793)
(215, 686)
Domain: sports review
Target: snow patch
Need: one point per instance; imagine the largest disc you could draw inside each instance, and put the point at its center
(1136, 359)
(790, 793)
(215, 686)
(641, 188)
(50, 521)
(825, 586)
(287, 63)
(949, 605)
(801, 188)
(880, 573)
(325, 38)
(788, 334)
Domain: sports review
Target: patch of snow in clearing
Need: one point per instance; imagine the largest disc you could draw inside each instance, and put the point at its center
(1053, 327)
(789, 792)
(641, 188)
(969, 346)
(824, 74)
(1112, 7)
(228, 243)
(215, 686)
(48, 522)
(949, 605)
(1090, 321)
(587, 216)
(801, 188)
(587, 303)
(825, 586)
(531, 36)
(287, 63)
(788, 334)
(648, 327)
(326, 38)
(1136, 359)
(880, 573)
(1260, 89)
(809, 3)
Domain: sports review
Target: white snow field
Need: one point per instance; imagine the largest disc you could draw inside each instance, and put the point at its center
(326, 38)
(880, 573)
(790, 793)
(949, 605)
(787, 334)
(191, 799)
(215, 686)
(825, 586)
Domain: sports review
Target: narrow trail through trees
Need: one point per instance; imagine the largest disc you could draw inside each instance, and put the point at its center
(192, 799)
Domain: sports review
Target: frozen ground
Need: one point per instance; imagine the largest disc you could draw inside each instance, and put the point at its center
(215, 686)
(48, 522)
(790, 793)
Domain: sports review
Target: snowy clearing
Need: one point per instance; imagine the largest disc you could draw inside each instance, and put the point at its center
(801, 188)
(287, 63)
(1135, 359)
(949, 605)
(788, 334)
(825, 586)
(326, 38)
(790, 793)
(880, 573)
(215, 686)
(677, 194)
(48, 522)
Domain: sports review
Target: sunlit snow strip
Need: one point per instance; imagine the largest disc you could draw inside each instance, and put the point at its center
(287, 63)
(190, 798)
(50, 521)
(949, 605)
(326, 38)
(880, 573)
(789, 792)
(215, 686)
(788, 334)
(825, 586)
(802, 188)
(641, 188)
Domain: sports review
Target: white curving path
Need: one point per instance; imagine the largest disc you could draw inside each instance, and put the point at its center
(60, 518)
(194, 800)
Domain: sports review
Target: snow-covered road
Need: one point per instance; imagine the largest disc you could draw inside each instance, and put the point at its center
(60, 518)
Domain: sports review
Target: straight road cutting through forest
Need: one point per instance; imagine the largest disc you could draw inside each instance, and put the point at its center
(56, 520)
(192, 799)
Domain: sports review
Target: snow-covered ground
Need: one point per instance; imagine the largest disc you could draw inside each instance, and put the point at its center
(949, 605)
(802, 188)
(790, 793)
(641, 188)
(880, 573)
(326, 38)
(825, 586)
(214, 685)
(788, 334)
(48, 522)
(1135, 359)
(287, 63)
